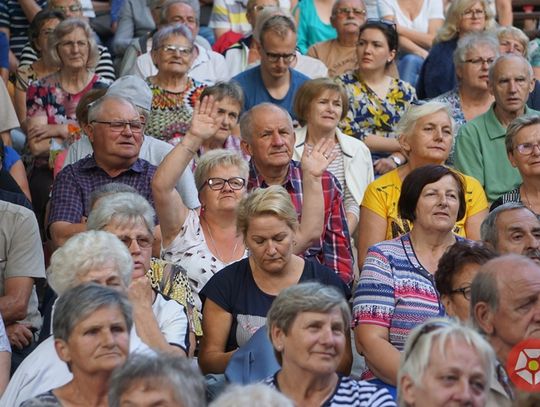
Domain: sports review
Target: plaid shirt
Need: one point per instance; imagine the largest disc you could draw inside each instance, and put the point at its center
(72, 187)
(334, 247)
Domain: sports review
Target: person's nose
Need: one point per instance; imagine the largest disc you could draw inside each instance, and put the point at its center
(532, 241)
(277, 139)
(107, 338)
(464, 392)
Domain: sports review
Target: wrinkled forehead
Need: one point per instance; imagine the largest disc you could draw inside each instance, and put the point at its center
(117, 109)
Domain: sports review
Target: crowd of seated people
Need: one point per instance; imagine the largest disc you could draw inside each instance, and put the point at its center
(306, 202)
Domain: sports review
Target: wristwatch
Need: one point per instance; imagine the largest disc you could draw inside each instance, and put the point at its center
(396, 160)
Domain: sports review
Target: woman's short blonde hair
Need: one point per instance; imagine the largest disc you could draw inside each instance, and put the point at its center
(67, 27)
(310, 90)
(217, 158)
(450, 27)
(274, 200)
(516, 34)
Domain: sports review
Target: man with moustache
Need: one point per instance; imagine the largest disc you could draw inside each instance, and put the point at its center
(505, 307)
(512, 228)
(339, 54)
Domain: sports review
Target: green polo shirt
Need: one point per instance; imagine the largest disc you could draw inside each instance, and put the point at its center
(481, 153)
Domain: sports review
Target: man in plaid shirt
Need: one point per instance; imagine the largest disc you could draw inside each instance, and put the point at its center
(268, 136)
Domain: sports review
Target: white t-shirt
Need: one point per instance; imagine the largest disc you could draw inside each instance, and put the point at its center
(431, 9)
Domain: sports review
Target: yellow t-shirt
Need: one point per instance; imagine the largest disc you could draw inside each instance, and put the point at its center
(382, 197)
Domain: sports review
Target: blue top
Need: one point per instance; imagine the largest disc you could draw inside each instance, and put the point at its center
(255, 92)
(10, 158)
(4, 50)
(438, 74)
(310, 27)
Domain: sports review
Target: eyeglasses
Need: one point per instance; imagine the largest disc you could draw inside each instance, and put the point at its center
(480, 61)
(261, 7)
(144, 242)
(527, 148)
(347, 10)
(217, 184)
(465, 291)
(473, 13)
(427, 328)
(73, 44)
(173, 49)
(183, 20)
(388, 23)
(73, 8)
(274, 57)
(118, 126)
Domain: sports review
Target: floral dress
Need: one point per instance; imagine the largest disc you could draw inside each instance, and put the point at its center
(171, 112)
(369, 114)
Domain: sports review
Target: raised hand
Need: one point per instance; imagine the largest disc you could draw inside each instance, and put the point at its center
(320, 157)
(204, 123)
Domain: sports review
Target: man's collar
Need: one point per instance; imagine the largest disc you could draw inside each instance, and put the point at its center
(257, 179)
(90, 163)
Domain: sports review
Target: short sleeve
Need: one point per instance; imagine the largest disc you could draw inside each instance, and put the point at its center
(10, 157)
(35, 103)
(435, 10)
(385, 8)
(66, 198)
(222, 287)
(374, 299)
(475, 197)
(374, 201)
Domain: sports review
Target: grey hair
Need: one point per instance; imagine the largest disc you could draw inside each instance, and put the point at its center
(67, 27)
(96, 107)
(246, 120)
(516, 34)
(216, 158)
(470, 42)
(488, 228)
(516, 126)
(276, 20)
(85, 252)
(484, 289)
(244, 396)
(505, 57)
(79, 302)
(157, 371)
(305, 297)
(417, 354)
(168, 31)
(222, 90)
(193, 4)
(408, 120)
(109, 189)
(123, 208)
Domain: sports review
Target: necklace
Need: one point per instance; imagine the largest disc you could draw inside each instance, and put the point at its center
(218, 254)
(527, 199)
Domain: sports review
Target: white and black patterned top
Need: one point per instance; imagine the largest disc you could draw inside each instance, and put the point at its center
(351, 393)
(47, 399)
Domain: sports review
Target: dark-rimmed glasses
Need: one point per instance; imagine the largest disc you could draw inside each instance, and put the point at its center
(427, 328)
(473, 13)
(217, 184)
(480, 61)
(465, 291)
(359, 12)
(118, 126)
(527, 148)
(144, 242)
(274, 57)
(73, 8)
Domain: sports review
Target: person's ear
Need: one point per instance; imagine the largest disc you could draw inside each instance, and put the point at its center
(277, 337)
(403, 140)
(448, 305)
(407, 390)
(62, 349)
(246, 147)
(89, 130)
(512, 159)
(484, 318)
(392, 56)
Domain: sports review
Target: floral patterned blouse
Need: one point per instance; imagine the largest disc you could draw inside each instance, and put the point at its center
(368, 113)
(452, 99)
(171, 112)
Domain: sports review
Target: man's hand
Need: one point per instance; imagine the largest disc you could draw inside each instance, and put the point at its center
(19, 335)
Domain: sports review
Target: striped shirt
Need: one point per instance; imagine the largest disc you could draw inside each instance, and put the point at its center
(395, 291)
(351, 393)
(12, 17)
(104, 68)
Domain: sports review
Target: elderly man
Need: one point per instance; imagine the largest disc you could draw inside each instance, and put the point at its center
(21, 261)
(339, 54)
(513, 228)
(505, 307)
(207, 67)
(273, 80)
(116, 134)
(268, 136)
(72, 8)
(480, 149)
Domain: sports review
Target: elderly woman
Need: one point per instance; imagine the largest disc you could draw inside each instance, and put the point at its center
(396, 290)
(152, 380)
(238, 297)
(319, 105)
(91, 335)
(438, 74)
(51, 102)
(471, 97)
(522, 146)
(205, 243)
(455, 273)
(445, 364)
(308, 325)
(174, 92)
(426, 133)
(376, 100)
(40, 28)
(162, 322)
